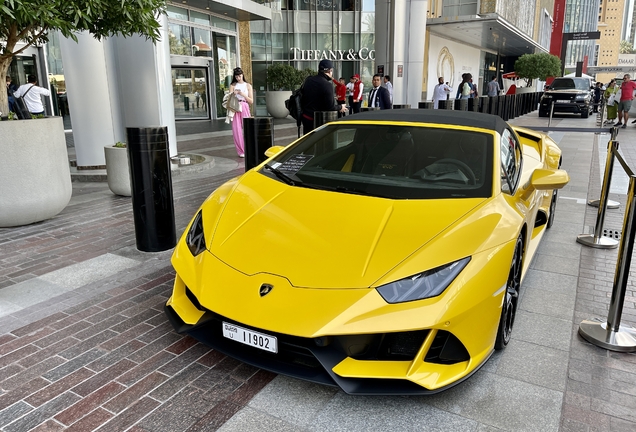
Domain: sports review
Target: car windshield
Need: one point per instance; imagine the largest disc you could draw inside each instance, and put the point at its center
(569, 84)
(385, 160)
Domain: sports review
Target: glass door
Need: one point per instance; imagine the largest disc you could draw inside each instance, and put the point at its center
(190, 93)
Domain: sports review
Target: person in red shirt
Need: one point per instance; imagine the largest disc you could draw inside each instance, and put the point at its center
(341, 93)
(627, 96)
(358, 88)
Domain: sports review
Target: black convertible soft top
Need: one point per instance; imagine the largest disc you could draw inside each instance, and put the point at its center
(459, 118)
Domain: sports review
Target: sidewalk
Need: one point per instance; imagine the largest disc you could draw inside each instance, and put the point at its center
(84, 344)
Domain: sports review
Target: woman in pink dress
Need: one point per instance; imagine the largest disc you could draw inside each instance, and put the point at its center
(243, 92)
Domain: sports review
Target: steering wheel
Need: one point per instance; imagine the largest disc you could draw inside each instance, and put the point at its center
(462, 167)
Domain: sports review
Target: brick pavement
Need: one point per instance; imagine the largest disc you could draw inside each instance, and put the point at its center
(101, 356)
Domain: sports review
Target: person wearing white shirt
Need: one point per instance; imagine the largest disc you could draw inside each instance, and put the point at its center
(440, 91)
(31, 93)
(389, 86)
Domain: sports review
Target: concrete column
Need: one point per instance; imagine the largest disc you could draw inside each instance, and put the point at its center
(145, 83)
(89, 97)
(400, 33)
(117, 83)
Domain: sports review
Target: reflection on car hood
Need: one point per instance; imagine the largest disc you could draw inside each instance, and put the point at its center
(323, 239)
(566, 91)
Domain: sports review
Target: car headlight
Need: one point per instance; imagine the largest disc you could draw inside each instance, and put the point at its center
(581, 98)
(195, 238)
(428, 284)
(546, 97)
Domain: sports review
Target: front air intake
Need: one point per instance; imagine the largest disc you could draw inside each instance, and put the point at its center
(446, 349)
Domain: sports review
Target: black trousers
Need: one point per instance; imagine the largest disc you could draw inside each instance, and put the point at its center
(308, 124)
(341, 114)
(350, 105)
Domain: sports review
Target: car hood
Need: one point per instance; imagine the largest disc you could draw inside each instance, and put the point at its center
(321, 239)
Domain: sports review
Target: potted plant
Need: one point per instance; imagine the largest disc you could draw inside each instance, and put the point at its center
(282, 79)
(118, 169)
(37, 184)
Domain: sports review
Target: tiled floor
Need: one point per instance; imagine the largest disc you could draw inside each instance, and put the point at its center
(84, 344)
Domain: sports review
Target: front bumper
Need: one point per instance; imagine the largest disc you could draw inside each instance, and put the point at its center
(325, 361)
(571, 107)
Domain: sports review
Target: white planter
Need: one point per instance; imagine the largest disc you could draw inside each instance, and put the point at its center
(118, 170)
(35, 179)
(275, 103)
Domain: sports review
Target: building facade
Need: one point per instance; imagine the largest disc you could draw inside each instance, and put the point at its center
(483, 38)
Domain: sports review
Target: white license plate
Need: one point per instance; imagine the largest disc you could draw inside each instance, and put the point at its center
(249, 337)
(563, 101)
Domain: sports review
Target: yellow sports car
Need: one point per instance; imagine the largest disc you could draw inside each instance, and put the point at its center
(382, 253)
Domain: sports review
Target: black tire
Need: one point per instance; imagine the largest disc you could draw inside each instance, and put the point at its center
(586, 113)
(543, 113)
(552, 209)
(511, 297)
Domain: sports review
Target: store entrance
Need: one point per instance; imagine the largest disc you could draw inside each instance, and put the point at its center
(190, 93)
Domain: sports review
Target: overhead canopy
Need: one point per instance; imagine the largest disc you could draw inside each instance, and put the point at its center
(241, 10)
(486, 31)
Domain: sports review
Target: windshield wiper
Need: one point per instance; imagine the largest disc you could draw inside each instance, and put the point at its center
(356, 191)
(284, 177)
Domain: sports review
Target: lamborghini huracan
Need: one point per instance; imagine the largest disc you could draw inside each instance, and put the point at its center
(382, 253)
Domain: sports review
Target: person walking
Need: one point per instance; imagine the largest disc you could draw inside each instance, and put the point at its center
(318, 95)
(612, 104)
(341, 94)
(379, 96)
(32, 93)
(627, 96)
(598, 93)
(466, 86)
(389, 86)
(440, 92)
(243, 92)
(493, 88)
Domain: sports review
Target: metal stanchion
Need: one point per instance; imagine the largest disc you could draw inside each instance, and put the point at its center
(597, 240)
(551, 112)
(611, 334)
(611, 204)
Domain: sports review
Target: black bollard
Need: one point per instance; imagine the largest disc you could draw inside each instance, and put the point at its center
(401, 106)
(324, 117)
(426, 105)
(258, 134)
(443, 104)
(151, 185)
(366, 109)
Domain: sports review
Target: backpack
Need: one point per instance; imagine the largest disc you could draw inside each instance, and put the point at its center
(19, 106)
(294, 106)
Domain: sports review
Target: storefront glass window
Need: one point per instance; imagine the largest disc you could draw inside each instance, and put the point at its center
(180, 40)
(177, 13)
(222, 23)
(202, 46)
(199, 18)
(225, 59)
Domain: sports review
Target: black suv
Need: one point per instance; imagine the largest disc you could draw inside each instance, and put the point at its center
(570, 95)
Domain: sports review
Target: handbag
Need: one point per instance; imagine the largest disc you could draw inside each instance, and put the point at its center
(617, 97)
(233, 103)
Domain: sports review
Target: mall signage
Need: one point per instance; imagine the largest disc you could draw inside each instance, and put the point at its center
(314, 55)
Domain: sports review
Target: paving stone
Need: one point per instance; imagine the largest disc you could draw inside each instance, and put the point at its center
(104, 377)
(41, 414)
(89, 403)
(91, 421)
(59, 387)
(73, 365)
(130, 416)
(255, 421)
(15, 395)
(14, 412)
(136, 391)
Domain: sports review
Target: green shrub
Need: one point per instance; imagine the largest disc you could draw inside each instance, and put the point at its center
(281, 76)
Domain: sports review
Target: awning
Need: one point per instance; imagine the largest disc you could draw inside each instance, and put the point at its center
(489, 32)
(241, 10)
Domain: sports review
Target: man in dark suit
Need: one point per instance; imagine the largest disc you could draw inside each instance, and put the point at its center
(379, 96)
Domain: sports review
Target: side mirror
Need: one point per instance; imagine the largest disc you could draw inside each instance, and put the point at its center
(546, 179)
(273, 151)
(546, 87)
